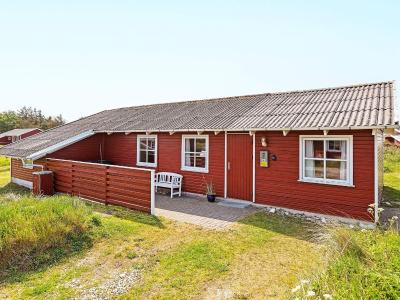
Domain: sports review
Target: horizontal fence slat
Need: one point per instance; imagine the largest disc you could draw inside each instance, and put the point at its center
(84, 184)
(130, 205)
(131, 193)
(124, 186)
(64, 184)
(128, 172)
(133, 185)
(128, 199)
(62, 189)
(85, 177)
(86, 192)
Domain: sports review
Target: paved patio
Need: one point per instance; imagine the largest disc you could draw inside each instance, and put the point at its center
(197, 210)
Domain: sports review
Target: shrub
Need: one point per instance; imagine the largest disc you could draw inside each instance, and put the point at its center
(35, 231)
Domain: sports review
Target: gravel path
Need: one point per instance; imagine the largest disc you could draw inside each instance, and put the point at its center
(118, 284)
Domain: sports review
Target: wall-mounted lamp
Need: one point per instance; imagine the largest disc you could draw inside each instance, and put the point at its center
(264, 141)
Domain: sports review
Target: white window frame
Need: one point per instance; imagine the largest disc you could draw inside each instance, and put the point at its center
(349, 149)
(194, 169)
(146, 164)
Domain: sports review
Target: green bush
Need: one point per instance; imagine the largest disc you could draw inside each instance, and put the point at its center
(36, 231)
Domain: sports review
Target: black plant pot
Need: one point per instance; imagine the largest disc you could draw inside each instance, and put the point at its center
(211, 198)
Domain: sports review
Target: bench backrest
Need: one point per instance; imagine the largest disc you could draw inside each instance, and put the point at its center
(168, 177)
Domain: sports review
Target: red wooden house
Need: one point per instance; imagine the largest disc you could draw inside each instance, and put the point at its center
(14, 135)
(393, 139)
(317, 151)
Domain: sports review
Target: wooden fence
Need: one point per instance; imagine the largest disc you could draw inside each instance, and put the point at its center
(108, 184)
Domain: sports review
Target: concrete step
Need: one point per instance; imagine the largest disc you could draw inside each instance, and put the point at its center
(229, 203)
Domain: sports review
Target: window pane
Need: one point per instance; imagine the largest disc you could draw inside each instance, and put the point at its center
(150, 157)
(314, 149)
(336, 149)
(189, 160)
(314, 168)
(336, 170)
(189, 145)
(200, 145)
(151, 143)
(143, 144)
(142, 157)
(200, 162)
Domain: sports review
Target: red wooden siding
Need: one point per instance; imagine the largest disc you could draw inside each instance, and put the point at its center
(19, 172)
(126, 187)
(85, 150)
(278, 184)
(169, 160)
(121, 150)
(240, 170)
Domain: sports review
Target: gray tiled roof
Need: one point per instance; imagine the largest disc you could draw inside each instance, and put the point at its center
(355, 107)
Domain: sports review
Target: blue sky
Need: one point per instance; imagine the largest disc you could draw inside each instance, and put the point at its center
(80, 57)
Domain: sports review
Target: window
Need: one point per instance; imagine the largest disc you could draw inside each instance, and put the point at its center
(195, 153)
(147, 150)
(326, 159)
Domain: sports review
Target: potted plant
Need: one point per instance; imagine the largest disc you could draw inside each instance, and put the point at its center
(210, 190)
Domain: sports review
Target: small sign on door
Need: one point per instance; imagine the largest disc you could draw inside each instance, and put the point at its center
(264, 159)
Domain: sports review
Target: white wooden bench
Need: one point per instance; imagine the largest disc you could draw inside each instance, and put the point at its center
(169, 180)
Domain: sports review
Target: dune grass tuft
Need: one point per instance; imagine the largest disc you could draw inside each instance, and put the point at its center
(362, 265)
(34, 231)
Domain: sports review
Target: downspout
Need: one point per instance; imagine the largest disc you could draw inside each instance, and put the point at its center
(376, 192)
(254, 168)
(225, 165)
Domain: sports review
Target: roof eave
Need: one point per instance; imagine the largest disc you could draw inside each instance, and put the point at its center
(248, 129)
(42, 153)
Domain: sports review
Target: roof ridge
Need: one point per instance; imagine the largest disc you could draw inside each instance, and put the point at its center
(338, 87)
(256, 94)
(194, 100)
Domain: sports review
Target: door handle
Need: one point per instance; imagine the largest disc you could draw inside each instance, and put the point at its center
(229, 165)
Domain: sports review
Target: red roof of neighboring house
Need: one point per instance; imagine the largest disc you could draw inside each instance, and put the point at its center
(18, 132)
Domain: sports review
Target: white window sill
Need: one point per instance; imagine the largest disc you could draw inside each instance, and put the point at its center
(197, 170)
(327, 183)
(140, 164)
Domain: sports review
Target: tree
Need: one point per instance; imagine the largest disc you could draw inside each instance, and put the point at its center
(28, 117)
(8, 121)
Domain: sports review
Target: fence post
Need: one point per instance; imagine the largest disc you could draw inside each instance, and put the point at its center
(152, 192)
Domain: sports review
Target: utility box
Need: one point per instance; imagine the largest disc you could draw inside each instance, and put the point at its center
(43, 183)
(264, 159)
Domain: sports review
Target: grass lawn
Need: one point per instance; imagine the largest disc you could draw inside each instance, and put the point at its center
(392, 176)
(138, 256)
(264, 256)
(4, 171)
